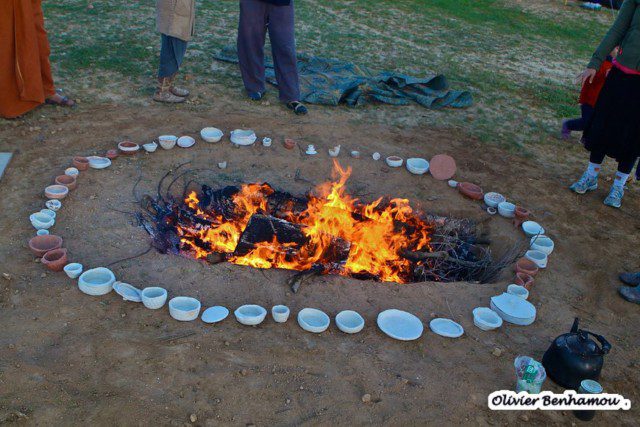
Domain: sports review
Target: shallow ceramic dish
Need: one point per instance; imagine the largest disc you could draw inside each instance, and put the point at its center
(493, 199)
(532, 228)
(49, 212)
(67, 180)
(486, 319)
(452, 183)
(150, 147)
(41, 221)
(470, 190)
(513, 309)
(243, 137)
(394, 161)
(280, 313)
(128, 147)
(97, 281)
(73, 270)
(538, 257)
(72, 172)
(186, 141)
(417, 166)
(127, 291)
(506, 209)
(56, 191)
(400, 325)
(250, 314)
(313, 320)
(97, 162)
(543, 244)
(446, 328)
(53, 204)
(442, 167)
(184, 309)
(153, 297)
(517, 290)
(167, 142)
(349, 322)
(214, 314)
(42, 232)
(40, 245)
(211, 134)
(355, 154)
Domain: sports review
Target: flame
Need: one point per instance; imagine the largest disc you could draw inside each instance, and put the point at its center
(377, 232)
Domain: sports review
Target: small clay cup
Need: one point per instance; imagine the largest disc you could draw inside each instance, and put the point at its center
(523, 279)
(55, 260)
(68, 181)
(289, 143)
(526, 266)
(470, 190)
(128, 148)
(40, 245)
(81, 163)
(112, 154)
(522, 213)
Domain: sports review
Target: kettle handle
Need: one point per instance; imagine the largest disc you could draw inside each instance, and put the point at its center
(574, 328)
(604, 344)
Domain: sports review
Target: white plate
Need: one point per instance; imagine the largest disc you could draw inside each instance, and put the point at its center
(186, 141)
(400, 325)
(97, 162)
(128, 292)
(215, 314)
(313, 320)
(446, 328)
(513, 309)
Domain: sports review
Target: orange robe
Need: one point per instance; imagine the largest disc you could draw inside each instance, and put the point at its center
(25, 72)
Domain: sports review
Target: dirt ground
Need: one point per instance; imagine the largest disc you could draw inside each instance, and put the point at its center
(68, 358)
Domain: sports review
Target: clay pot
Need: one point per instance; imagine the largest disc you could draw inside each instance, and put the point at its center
(81, 163)
(525, 280)
(128, 147)
(55, 260)
(526, 266)
(289, 143)
(40, 245)
(68, 181)
(111, 154)
(522, 213)
(470, 190)
(442, 167)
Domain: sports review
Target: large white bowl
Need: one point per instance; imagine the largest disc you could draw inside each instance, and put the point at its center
(517, 290)
(493, 199)
(184, 309)
(154, 297)
(486, 319)
(211, 134)
(394, 161)
(73, 270)
(538, 257)
(41, 221)
(97, 281)
(243, 137)
(97, 162)
(506, 209)
(167, 141)
(513, 309)
(53, 204)
(349, 322)
(186, 141)
(250, 314)
(56, 192)
(313, 320)
(400, 325)
(543, 244)
(532, 228)
(417, 166)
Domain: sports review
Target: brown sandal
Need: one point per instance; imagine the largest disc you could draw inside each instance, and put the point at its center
(63, 101)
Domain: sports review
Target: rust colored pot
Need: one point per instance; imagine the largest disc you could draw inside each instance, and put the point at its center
(522, 213)
(523, 279)
(526, 266)
(112, 154)
(68, 181)
(289, 143)
(40, 245)
(56, 259)
(470, 190)
(81, 163)
(128, 148)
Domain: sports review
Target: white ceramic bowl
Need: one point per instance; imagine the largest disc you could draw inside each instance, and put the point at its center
(493, 199)
(446, 327)
(71, 172)
(266, 141)
(150, 147)
(243, 137)
(56, 191)
(542, 244)
(250, 314)
(211, 134)
(394, 161)
(186, 141)
(184, 309)
(452, 183)
(73, 270)
(538, 257)
(517, 290)
(532, 228)
(97, 281)
(417, 166)
(313, 320)
(167, 141)
(349, 322)
(53, 204)
(42, 232)
(154, 297)
(506, 209)
(50, 212)
(513, 309)
(125, 148)
(486, 319)
(97, 162)
(280, 313)
(41, 221)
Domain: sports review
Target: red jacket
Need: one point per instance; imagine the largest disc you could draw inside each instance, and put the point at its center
(590, 91)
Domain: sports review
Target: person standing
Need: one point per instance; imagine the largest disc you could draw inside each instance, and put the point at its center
(277, 17)
(25, 71)
(614, 128)
(175, 20)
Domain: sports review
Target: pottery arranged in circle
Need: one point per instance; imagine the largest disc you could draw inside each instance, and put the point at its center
(493, 199)
(42, 232)
(81, 163)
(97, 162)
(128, 147)
(222, 165)
(184, 309)
(470, 190)
(311, 150)
(446, 328)
(210, 134)
(55, 260)
(250, 314)
(538, 257)
(97, 281)
(153, 297)
(400, 325)
(355, 154)
(67, 180)
(40, 245)
(349, 322)
(542, 243)
(514, 309)
(517, 290)
(56, 191)
(280, 313)
(532, 228)
(452, 183)
(506, 209)
(266, 141)
(41, 221)
(289, 143)
(127, 291)
(150, 147)
(72, 172)
(417, 166)
(525, 280)
(335, 151)
(375, 156)
(394, 161)
(73, 270)
(53, 204)
(486, 319)
(167, 141)
(522, 213)
(243, 137)
(442, 167)
(112, 154)
(492, 210)
(49, 212)
(526, 266)
(313, 320)
(186, 141)
(214, 314)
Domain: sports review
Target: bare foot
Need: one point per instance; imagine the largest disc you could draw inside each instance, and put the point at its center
(60, 100)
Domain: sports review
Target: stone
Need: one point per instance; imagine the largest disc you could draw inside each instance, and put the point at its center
(366, 398)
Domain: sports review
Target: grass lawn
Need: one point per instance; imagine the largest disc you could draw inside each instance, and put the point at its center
(518, 59)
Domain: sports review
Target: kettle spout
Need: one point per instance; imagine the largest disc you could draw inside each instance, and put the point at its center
(574, 328)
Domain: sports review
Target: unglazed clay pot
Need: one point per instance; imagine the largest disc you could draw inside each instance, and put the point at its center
(470, 190)
(111, 154)
(521, 213)
(128, 147)
(68, 181)
(81, 163)
(56, 259)
(526, 266)
(289, 143)
(523, 279)
(442, 167)
(40, 245)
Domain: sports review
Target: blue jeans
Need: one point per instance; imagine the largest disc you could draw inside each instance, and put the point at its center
(172, 52)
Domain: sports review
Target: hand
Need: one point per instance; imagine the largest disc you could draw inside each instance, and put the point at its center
(587, 74)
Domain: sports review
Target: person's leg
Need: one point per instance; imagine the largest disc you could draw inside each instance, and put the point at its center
(168, 67)
(638, 171)
(44, 49)
(252, 30)
(589, 179)
(179, 48)
(625, 166)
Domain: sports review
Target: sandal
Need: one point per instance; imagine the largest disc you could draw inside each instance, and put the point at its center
(62, 101)
(297, 107)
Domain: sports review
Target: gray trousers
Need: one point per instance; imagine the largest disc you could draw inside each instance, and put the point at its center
(172, 52)
(256, 18)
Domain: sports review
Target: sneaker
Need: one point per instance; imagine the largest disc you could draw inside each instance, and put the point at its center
(565, 132)
(614, 199)
(584, 184)
(255, 96)
(632, 279)
(297, 107)
(630, 293)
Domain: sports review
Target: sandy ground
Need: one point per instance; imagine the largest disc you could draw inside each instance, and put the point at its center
(68, 358)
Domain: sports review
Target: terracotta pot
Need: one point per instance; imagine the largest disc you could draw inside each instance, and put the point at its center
(526, 266)
(525, 280)
(68, 181)
(289, 143)
(111, 154)
(442, 167)
(470, 190)
(522, 213)
(40, 245)
(128, 148)
(81, 163)
(55, 260)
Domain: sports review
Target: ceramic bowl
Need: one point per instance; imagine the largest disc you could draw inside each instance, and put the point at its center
(250, 314)
(493, 199)
(394, 161)
(349, 322)
(184, 309)
(355, 154)
(243, 137)
(526, 266)
(97, 162)
(167, 141)
(49, 212)
(222, 165)
(532, 228)
(452, 183)
(313, 320)
(150, 147)
(56, 191)
(40, 245)
(538, 257)
(289, 143)
(67, 180)
(446, 327)
(543, 244)
(128, 147)
(470, 190)
(41, 221)
(154, 297)
(210, 134)
(97, 281)
(81, 163)
(506, 209)
(525, 280)
(334, 152)
(417, 166)
(127, 292)
(492, 210)
(266, 141)
(73, 270)
(486, 319)
(54, 205)
(513, 309)
(517, 290)
(522, 213)
(186, 141)
(112, 154)
(72, 172)
(376, 156)
(55, 260)
(280, 313)
(42, 232)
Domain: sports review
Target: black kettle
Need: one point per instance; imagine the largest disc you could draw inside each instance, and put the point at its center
(574, 357)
